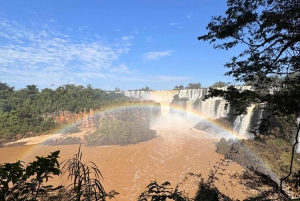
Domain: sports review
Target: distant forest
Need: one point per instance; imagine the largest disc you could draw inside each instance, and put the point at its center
(22, 110)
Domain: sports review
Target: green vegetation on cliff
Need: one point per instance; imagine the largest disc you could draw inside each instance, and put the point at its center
(120, 132)
(24, 111)
(125, 125)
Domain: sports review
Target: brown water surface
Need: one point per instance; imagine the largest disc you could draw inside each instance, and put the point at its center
(128, 169)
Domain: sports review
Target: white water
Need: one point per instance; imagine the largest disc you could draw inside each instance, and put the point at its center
(242, 122)
(212, 108)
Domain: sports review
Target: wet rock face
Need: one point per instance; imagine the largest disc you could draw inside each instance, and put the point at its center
(237, 151)
(87, 118)
(223, 147)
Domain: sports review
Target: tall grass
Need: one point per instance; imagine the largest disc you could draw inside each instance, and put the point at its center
(85, 180)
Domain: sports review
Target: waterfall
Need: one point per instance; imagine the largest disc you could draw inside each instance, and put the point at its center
(242, 123)
(212, 108)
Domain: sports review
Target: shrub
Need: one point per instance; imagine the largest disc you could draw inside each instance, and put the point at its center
(18, 182)
(120, 132)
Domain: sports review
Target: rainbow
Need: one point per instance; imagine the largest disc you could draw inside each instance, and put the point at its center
(200, 117)
(28, 152)
(163, 106)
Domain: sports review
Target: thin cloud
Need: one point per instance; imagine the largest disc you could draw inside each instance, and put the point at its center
(155, 79)
(174, 23)
(171, 78)
(149, 39)
(136, 31)
(150, 56)
(121, 69)
(42, 55)
(126, 38)
(189, 15)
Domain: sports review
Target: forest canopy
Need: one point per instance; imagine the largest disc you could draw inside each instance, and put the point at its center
(22, 111)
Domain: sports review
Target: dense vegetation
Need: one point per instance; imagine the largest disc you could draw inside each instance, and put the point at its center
(270, 33)
(125, 125)
(120, 132)
(23, 111)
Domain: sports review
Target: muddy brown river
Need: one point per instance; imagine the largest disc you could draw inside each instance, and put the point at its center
(128, 169)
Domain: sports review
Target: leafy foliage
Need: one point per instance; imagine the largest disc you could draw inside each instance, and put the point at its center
(85, 179)
(270, 32)
(18, 182)
(162, 192)
(26, 111)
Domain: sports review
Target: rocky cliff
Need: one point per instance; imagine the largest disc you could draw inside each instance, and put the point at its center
(137, 110)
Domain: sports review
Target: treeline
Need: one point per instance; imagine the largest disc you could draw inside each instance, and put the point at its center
(198, 85)
(21, 111)
(143, 89)
(189, 86)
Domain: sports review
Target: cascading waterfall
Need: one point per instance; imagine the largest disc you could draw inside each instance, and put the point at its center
(212, 108)
(242, 123)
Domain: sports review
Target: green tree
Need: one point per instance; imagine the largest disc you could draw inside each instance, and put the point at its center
(145, 89)
(28, 111)
(219, 84)
(180, 87)
(193, 86)
(270, 33)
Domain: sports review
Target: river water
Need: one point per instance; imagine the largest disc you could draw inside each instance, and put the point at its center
(177, 151)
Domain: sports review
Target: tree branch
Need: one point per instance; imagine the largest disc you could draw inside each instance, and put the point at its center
(293, 155)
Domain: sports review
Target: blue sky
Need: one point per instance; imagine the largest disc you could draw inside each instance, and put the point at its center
(128, 44)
